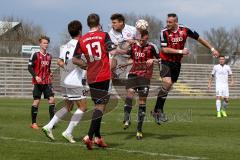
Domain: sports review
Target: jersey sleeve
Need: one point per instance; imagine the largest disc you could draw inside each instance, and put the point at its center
(214, 71)
(31, 64)
(62, 53)
(192, 34)
(155, 51)
(163, 39)
(109, 44)
(78, 51)
(229, 70)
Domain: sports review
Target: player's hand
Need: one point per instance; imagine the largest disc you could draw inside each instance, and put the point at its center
(149, 62)
(131, 41)
(215, 53)
(51, 76)
(185, 51)
(38, 79)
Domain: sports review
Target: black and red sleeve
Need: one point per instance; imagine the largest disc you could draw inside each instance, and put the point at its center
(192, 34)
(31, 64)
(163, 38)
(108, 42)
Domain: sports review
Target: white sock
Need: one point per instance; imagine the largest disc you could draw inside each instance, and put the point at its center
(57, 117)
(218, 105)
(76, 117)
(225, 104)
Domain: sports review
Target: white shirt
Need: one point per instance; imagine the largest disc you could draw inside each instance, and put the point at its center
(221, 74)
(71, 75)
(128, 32)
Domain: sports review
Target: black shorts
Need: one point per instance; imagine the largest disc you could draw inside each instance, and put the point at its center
(99, 92)
(139, 84)
(46, 89)
(170, 69)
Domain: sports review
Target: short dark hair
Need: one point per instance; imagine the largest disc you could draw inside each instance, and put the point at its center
(174, 15)
(93, 20)
(44, 37)
(221, 56)
(144, 33)
(118, 16)
(74, 28)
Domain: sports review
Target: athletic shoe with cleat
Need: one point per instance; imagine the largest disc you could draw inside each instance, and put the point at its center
(68, 137)
(48, 133)
(159, 117)
(223, 113)
(139, 136)
(100, 142)
(89, 143)
(126, 124)
(219, 115)
(34, 126)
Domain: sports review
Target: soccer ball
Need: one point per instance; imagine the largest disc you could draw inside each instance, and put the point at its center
(141, 24)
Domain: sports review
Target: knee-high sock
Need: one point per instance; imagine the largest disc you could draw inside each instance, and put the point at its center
(218, 105)
(127, 108)
(57, 117)
(34, 112)
(95, 124)
(225, 104)
(51, 110)
(76, 117)
(141, 115)
(162, 95)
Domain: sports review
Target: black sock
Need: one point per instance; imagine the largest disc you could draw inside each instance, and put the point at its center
(162, 95)
(51, 110)
(141, 115)
(127, 108)
(34, 112)
(95, 124)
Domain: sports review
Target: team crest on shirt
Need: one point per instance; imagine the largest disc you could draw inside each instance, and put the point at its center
(129, 35)
(181, 33)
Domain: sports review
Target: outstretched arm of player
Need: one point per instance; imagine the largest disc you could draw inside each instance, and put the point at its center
(210, 81)
(215, 53)
(60, 63)
(79, 62)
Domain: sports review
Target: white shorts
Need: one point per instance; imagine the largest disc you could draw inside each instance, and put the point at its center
(222, 91)
(74, 94)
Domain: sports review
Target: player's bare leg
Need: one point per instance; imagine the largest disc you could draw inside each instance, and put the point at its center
(158, 112)
(34, 112)
(128, 108)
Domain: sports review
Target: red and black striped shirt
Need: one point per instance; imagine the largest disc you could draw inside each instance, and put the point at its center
(39, 65)
(140, 55)
(175, 40)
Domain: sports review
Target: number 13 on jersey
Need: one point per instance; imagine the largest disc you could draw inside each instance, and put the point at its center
(94, 51)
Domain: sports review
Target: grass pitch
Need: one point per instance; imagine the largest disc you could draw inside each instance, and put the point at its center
(193, 132)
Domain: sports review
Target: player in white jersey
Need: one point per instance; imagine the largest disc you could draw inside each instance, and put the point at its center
(71, 83)
(120, 33)
(221, 73)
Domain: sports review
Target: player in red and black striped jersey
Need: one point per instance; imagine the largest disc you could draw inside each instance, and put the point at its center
(95, 46)
(40, 68)
(173, 39)
(142, 54)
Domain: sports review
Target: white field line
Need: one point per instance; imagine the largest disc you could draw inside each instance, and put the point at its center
(173, 157)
